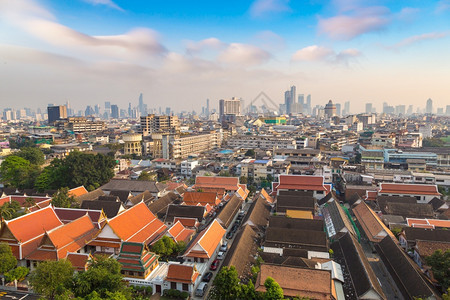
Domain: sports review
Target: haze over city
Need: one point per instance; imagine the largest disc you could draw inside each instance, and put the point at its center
(180, 53)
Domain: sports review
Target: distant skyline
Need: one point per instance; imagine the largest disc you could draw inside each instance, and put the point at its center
(179, 53)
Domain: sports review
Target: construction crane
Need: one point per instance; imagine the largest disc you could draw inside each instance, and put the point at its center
(263, 96)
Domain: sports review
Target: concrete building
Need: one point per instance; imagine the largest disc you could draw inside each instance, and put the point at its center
(152, 123)
(56, 113)
(133, 143)
(330, 109)
(265, 142)
(229, 108)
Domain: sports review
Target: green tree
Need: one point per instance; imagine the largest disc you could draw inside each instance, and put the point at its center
(250, 152)
(11, 210)
(226, 284)
(52, 278)
(62, 199)
(104, 278)
(164, 246)
(29, 202)
(273, 290)
(33, 154)
(439, 262)
(15, 171)
(7, 259)
(248, 292)
(145, 176)
(180, 247)
(18, 274)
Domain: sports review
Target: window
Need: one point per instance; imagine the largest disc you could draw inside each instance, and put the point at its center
(185, 287)
(173, 285)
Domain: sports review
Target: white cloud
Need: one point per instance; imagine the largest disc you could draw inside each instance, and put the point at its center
(108, 3)
(443, 5)
(419, 38)
(358, 22)
(262, 8)
(212, 43)
(316, 53)
(244, 55)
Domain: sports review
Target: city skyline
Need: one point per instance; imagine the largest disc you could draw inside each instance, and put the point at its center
(179, 54)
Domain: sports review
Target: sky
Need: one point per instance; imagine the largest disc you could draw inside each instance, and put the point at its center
(179, 53)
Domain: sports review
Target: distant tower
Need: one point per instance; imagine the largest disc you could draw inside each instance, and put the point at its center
(114, 111)
(338, 109)
(330, 109)
(141, 105)
(369, 108)
(290, 98)
(346, 108)
(429, 108)
(56, 113)
(207, 107)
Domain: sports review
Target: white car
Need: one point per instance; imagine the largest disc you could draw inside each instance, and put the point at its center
(220, 255)
(224, 247)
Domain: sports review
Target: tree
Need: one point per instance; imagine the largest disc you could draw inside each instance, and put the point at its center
(226, 284)
(250, 152)
(62, 199)
(11, 210)
(15, 171)
(273, 290)
(34, 155)
(52, 278)
(248, 292)
(18, 274)
(102, 278)
(165, 246)
(243, 180)
(146, 176)
(7, 259)
(439, 262)
(29, 202)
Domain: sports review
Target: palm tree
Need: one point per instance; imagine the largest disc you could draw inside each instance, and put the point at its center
(6, 211)
(30, 202)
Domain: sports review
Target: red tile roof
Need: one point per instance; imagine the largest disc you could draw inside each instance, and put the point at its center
(180, 233)
(300, 182)
(182, 273)
(187, 222)
(410, 189)
(67, 215)
(227, 183)
(207, 241)
(79, 261)
(137, 224)
(201, 197)
(428, 223)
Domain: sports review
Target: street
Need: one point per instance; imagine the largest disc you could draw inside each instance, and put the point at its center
(17, 295)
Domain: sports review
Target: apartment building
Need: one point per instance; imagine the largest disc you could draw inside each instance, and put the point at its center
(153, 123)
(264, 142)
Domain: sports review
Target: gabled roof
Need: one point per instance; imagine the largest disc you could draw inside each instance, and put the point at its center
(66, 238)
(371, 224)
(206, 241)
(285, 202)
(182, 273)
(258, 214)
(67, 215)
(383, 200)
(229, 211)
(78, 191)
(136, 257)
(187, 211)
(227, 183)
(90, 196)
(134, 186)
(111, 208)
(427, 248)
(286, 222)
(336, 219)
(361, 273)
(417, 233)
(242, 253)
(146, 197)
(309, 283)
(159, 206)
(427, 223)
(437, 203)
(406, 274)
(300, 182)
(180, 233)
(413, 210)
(79, 261)
(137, 224)
(201, 197)
(267, 196)
(32, 225)
(187, 222)
(123, 195)
(409, 189)
(310, 240)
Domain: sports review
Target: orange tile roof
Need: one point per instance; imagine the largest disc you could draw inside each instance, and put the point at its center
(32, 225)
(79, 260)
(227, 183)
(78, 191)
(69, 237)
(301, 182)
(266, 196)
(201, 197)
(137, 224)
(207, 241)
(410, 189)
(181, 273)
(4, 200)
(371, 224)
(242, 193)
(179, 233)
(413, 222)
(187, 222)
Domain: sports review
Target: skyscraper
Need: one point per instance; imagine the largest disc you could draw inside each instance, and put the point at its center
(230, 107)
(114, 111)
(346, 108)
(56, 113)
(142, 108)
(410, 110)
(330, 109)
(429, 108)
(308, 104)
(338, 109)
(290, 98)
(207, 107)
(369, 108)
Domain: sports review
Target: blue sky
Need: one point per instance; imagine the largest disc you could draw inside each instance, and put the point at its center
(178, 53)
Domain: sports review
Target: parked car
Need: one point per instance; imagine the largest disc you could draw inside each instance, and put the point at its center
(207, 277)
(221, 255)
(234, 228)
(224, 246)
(214, 265)
(240, 215)
(230, 235)
(201, 289)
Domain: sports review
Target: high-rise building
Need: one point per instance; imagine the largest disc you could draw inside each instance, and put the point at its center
(400, 110)
(410, 110)
(369, 108)
(338, 109)
(447, 110)
(114, 111)
(56, 113)
(89, 111)
(308, 104)
(107, 105)
(152, 123)
(429, 108)
(229, 107)
(207, 107)
(330, 109)
(346, 108)
(290, 98)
